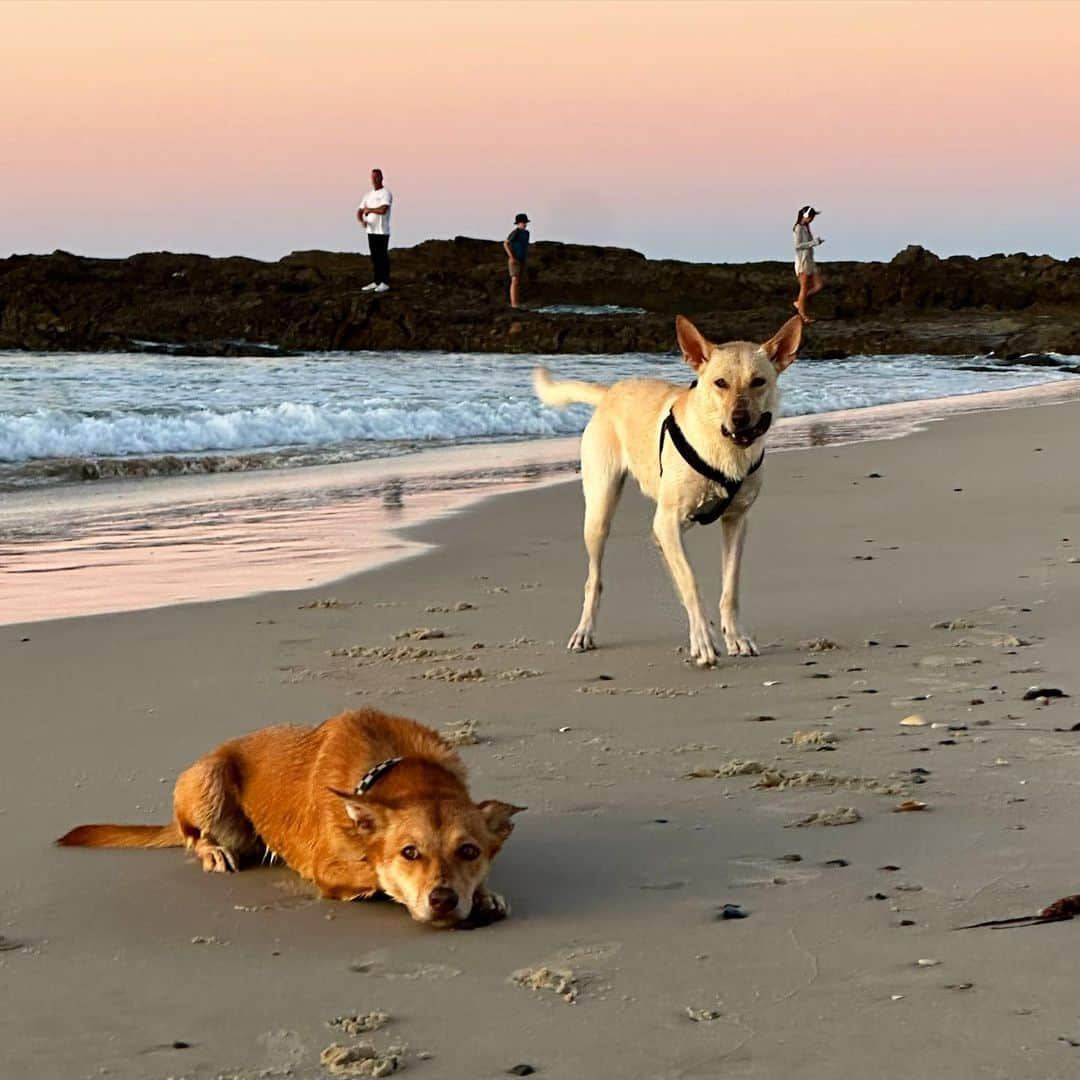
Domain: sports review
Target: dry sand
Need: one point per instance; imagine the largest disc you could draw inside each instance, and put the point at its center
(615, 962)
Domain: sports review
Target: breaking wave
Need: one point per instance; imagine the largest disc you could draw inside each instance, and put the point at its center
(52, 433)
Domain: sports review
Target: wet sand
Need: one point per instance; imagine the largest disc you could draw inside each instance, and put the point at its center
(86, 549)
(617, 873)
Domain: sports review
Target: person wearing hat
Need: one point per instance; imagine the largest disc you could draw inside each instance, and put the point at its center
(810, 280)
(517, 251)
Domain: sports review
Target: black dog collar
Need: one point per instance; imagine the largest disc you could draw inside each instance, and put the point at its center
(375, 773)
(699, 465)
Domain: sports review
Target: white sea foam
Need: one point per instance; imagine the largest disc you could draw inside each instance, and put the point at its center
(52, 433)
(337, 405)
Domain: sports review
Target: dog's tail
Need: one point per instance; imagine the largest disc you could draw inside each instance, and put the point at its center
(571, 392)
(140, 836)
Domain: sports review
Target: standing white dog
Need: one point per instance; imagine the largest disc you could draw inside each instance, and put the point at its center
(696, 452)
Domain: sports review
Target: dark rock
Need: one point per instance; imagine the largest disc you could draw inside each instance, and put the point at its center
(731, 911)
(1046, 692)
(450, 295)
(521, 1070)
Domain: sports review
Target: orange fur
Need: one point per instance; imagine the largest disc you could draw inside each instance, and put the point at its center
(288, 792)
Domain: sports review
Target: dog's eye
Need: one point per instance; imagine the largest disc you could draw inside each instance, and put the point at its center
(468, 852)
(720, 384)
(759, 381)
(411, 853)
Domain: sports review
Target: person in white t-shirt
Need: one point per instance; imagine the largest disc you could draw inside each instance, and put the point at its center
(374, 215)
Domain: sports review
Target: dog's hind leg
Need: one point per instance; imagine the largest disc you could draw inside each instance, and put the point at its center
(668, 532)
(209, 815)
(602, 477)
(738, 641)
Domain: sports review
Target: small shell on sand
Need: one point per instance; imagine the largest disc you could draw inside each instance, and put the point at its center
(840, 815)
(561, 981)
(909, 806)
(915, 720)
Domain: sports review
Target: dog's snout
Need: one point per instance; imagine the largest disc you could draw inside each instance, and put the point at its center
(740, 416)
(443, 900)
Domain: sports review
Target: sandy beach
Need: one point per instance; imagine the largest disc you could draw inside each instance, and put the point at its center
(935, 575)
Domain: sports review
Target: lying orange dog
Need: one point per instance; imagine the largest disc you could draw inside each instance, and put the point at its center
(363, 803)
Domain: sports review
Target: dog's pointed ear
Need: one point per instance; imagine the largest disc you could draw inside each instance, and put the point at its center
(695, 347)
(784, 344)
(369, 816)
(497, 815)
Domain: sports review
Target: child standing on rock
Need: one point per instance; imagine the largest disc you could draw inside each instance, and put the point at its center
(517, 251)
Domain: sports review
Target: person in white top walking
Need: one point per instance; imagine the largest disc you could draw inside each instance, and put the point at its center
(374, 215)
(810, 279)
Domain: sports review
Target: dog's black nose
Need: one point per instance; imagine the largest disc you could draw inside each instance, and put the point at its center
(443, 900)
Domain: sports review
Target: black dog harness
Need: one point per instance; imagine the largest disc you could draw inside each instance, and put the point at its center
(375, 773)
(705, 516)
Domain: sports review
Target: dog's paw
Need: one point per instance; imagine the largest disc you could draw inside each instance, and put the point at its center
(739, 643)
(215, 859)
(581, 641)
(703, 649)
(488, 907)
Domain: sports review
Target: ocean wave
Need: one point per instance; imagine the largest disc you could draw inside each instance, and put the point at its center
(54, 433)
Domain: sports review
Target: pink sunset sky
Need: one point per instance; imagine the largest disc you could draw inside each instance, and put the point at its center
(689, 130)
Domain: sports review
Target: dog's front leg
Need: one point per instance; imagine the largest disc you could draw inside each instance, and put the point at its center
(337, 880)
(668, 532)
(738, 641)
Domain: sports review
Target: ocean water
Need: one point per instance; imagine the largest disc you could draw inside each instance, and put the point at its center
(72, 417)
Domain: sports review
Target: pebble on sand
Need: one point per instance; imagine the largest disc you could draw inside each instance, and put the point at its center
(909, 806)
(1033, 693)
(702, 1016)
(915, 720)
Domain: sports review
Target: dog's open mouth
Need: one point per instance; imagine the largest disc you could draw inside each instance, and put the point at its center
(746, 436)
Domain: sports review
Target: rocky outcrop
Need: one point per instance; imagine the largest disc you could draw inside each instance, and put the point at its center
(451, 295)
